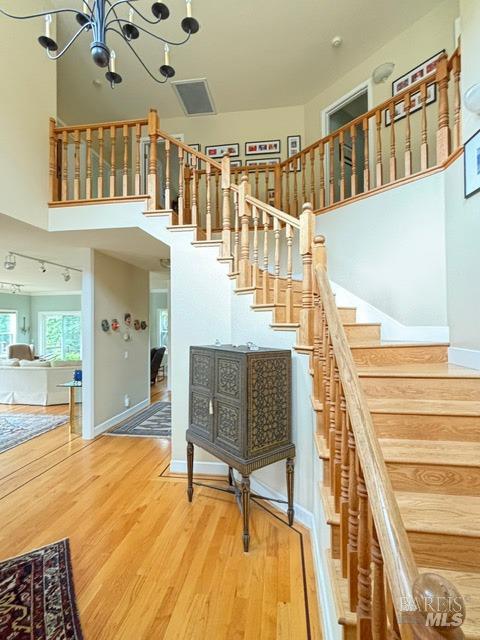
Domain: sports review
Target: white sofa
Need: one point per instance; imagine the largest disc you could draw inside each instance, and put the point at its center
(35, 383)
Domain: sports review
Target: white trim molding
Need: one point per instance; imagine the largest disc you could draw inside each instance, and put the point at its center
(464, 357)
(120, 417)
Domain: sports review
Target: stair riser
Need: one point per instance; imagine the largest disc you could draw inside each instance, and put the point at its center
(362, 333)
(280, 315)
(398, 355)
(347, 315)
(297, 297)
(442, 479)
(422, 388)
(424, 427)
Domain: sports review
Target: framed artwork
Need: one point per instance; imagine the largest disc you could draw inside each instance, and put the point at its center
(262, 162)
(415, 104)
(195, 147)
(419, 72)
(471, 159)
(262, 147)
(294, 144)
(219, 150)
(236, 163)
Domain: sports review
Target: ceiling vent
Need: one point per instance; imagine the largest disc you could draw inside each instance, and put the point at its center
(195, 97)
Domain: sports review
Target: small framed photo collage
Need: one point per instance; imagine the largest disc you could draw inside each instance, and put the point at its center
(263, 150)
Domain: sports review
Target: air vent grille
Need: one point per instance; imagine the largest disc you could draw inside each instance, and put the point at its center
(195, 97)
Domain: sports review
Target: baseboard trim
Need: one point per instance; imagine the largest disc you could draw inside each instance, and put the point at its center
(464, 357)
(120, 417)
(303, 516)
(203, 468)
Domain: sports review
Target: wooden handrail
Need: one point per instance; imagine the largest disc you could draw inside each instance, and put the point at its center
(190, 151)
(102, 125)
(275, 213)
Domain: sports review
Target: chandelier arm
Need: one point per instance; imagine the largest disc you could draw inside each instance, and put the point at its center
(42, 14)
(69, 44)
(137, 56)
(121, 21)
(129, 2)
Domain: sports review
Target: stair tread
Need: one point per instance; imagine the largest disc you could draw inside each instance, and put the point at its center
(425, 407)
(398, 345)
(440, 513)
(432, 452)
(418, 370)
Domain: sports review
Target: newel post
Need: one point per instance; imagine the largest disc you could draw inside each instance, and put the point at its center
(245, 213)
(307, 230)
(53, 167)
(152, 191)
(443, 133)
(226, 217)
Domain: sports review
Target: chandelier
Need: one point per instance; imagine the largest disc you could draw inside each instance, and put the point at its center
(102, 17)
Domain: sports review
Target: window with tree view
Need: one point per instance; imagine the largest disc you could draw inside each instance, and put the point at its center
(60, 335)
(8, 330)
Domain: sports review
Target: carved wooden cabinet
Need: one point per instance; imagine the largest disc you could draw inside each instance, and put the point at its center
(240, 411)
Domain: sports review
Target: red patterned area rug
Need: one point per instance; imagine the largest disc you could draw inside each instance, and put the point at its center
(37, 598)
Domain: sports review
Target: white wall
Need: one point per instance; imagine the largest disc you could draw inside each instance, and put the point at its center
(29, 99)
(118, 288)
(389, 250)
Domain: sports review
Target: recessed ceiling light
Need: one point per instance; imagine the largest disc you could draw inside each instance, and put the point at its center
(337, 42)
(97, 83)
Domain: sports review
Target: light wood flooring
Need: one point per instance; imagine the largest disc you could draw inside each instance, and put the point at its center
(147, 564)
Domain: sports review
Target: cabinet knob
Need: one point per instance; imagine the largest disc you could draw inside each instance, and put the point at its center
(210, 408)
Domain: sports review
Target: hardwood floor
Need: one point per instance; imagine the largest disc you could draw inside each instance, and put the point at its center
(147, 564)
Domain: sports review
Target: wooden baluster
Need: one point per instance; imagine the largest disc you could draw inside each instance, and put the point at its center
(88, 184)
(181, 185)
(76, 180)
(65, 165)
(304, 178)
(313, 190)
(364, 605)
(267, 188)
(257, 180)
(277, 173)
(342, 164)
(288, 208)
(53, 163)
(226, 221)
(366, 154)
(168, 201)
(326, 392)
(101, 162)
(331, 179)
(378, 164)
(344, 486)
(353, 177)
(217, 200)
(265, 282)
(152, 180)
(457, 132)
(276, 276)
(394, 629)
(289, 291)
(307, 230)
(424, 136)
(187, 181)
(245, 278)
(379, 610)
(322, 175)
(295, 189)
(408, 137)
(443, 133)
(194, 191)
(125, 161)
(255, 270)
(393, 148)
(317, 348)
(208, 216)
(113, 161)
(138, 171)
(352, 560)
(236, 252)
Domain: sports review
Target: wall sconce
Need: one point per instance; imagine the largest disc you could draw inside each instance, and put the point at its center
(472, 99)
(24, 329)
(383, 72)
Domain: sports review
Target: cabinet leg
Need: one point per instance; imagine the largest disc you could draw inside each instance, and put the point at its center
(190, 471)
(290, 478)
(230, 476)
(246, 511)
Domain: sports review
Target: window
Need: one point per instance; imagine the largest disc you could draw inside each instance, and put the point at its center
(163, 327)
(60, 335)
(8, 331)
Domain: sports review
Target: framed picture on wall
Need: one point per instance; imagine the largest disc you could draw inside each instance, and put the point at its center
(195, 147)
(419, 72)
(294, 145)
(236, 163)
(471, 159)
(219, 150)
(262, 147)
(261, 162)
(415, 104)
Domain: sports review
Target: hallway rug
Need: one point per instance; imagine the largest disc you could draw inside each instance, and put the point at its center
(20, 427)
(153, 422)
(37, 598)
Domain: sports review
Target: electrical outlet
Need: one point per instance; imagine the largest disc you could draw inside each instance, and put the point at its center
(126, 355)
(127, 401)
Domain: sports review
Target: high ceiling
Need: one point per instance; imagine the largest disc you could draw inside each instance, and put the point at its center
(255, 54)
(69, 248)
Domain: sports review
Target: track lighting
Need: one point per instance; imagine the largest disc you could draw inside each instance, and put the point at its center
(66, 275)
(10, 286)
(10, 262)
(43, 268)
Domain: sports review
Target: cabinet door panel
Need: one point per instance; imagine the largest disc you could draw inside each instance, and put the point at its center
(227, 426)
(201, 392)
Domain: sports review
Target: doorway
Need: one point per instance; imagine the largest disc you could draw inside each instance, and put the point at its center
(336, 116)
